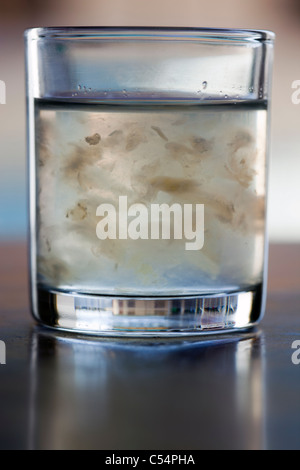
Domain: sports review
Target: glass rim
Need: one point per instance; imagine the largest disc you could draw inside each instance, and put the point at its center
(217, 35)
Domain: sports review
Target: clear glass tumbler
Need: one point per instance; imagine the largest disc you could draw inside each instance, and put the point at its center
(148, 167)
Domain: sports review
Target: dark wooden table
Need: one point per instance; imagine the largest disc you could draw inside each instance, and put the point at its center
(233, 392)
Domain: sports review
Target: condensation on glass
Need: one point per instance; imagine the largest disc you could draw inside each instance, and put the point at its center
(148, 155)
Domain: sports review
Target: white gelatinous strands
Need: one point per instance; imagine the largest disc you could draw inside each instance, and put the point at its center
(93, 154)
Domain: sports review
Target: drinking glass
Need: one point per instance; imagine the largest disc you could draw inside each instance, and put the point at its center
(148, 152)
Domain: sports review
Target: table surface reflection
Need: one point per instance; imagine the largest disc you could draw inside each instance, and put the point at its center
(239, 391)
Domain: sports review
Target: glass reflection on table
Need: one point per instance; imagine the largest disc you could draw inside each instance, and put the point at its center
(89, 393)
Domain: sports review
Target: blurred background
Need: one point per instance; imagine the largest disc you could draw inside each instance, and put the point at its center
(280, 16)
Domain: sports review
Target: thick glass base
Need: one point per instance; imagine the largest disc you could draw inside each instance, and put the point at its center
(155, 316)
